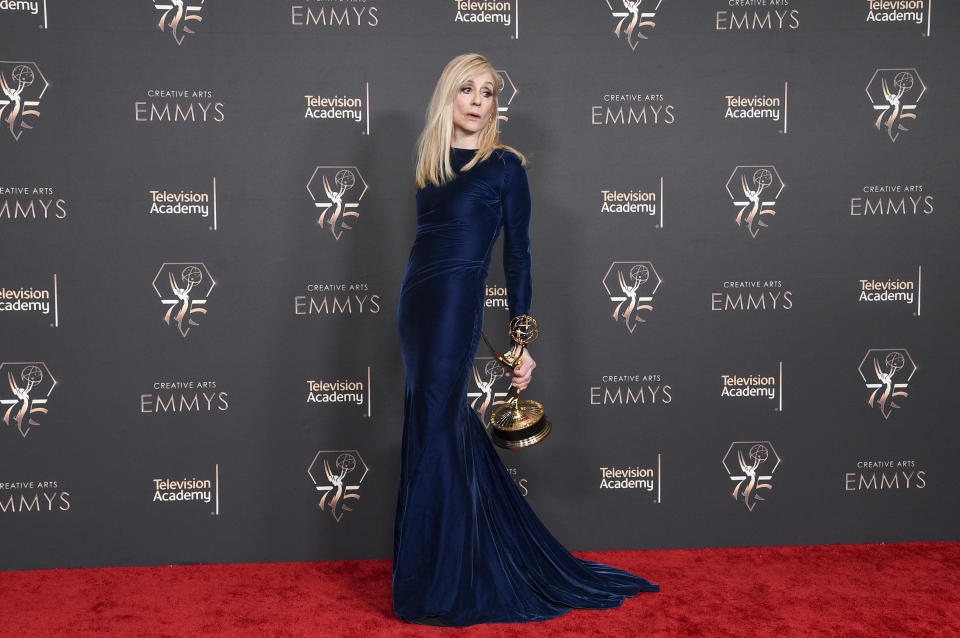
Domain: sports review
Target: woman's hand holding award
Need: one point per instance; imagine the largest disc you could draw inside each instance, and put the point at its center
(518, 423)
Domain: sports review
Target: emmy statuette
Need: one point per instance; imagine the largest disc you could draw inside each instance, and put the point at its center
(518, 423)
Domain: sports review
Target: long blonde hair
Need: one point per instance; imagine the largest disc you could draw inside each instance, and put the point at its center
(433, 145)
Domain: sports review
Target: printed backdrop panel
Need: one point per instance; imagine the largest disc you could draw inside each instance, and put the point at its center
(743, 245)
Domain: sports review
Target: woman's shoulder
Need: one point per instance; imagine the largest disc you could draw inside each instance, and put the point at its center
(508, 157)
(514, 170)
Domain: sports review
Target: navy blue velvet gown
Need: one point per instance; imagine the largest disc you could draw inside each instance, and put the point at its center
(468, 548)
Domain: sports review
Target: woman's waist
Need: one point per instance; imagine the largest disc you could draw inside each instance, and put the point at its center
(437, 263)
(420, 270)
(429, 249)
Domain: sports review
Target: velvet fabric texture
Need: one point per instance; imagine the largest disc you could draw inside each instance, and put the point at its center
(468, 548)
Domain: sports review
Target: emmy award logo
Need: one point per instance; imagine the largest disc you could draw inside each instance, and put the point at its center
(761, 179)
(897, 365)
(493, 371)
(22, 76)
(345, 180)
(894, 86)
(750, 480)
(192, 276)
(337, 493)
(23, 407)
(183, 308)
(752, 210)
(632, 285)
(336, 182)
(181, 16)
(345, 463)
(517, 423)
(637, 21)
(758, 454)
(639, 275)
(903, 82)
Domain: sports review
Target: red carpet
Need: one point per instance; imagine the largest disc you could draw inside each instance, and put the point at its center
(903, 590)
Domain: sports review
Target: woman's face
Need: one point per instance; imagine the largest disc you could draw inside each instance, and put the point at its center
(472, 107)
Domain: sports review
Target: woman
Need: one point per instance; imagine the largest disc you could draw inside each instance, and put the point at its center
(467, 547)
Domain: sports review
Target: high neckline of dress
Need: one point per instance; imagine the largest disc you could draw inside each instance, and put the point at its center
(457, 148)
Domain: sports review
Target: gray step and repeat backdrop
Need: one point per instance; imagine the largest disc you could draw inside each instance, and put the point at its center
(743, 237)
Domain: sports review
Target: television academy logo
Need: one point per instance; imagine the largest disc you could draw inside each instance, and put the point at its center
(340, 188)
(23, 86)
(489, 388)
(645, 478)
(337, 475)
(895, 93)
(771, 108)
(180, 280)
(489, 12)
(887, 373)
(892, 291)
(184, 490)
(352, 391)
(890, 12)
(754, 386)
(495, 296)
(22, 379)
(343, 108)
(636, 201)
(631, 285)
(178, 17)
(32, 300)
(185, 203)
(751, 465)
(632, 22)
(25, 13)
(745, 187)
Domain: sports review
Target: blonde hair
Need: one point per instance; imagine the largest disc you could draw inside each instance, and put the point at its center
(433, 145)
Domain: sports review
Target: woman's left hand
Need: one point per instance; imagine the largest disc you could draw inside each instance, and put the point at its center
(523, 370)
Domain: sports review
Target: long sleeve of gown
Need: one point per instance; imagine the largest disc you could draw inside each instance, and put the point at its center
(515, 201)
